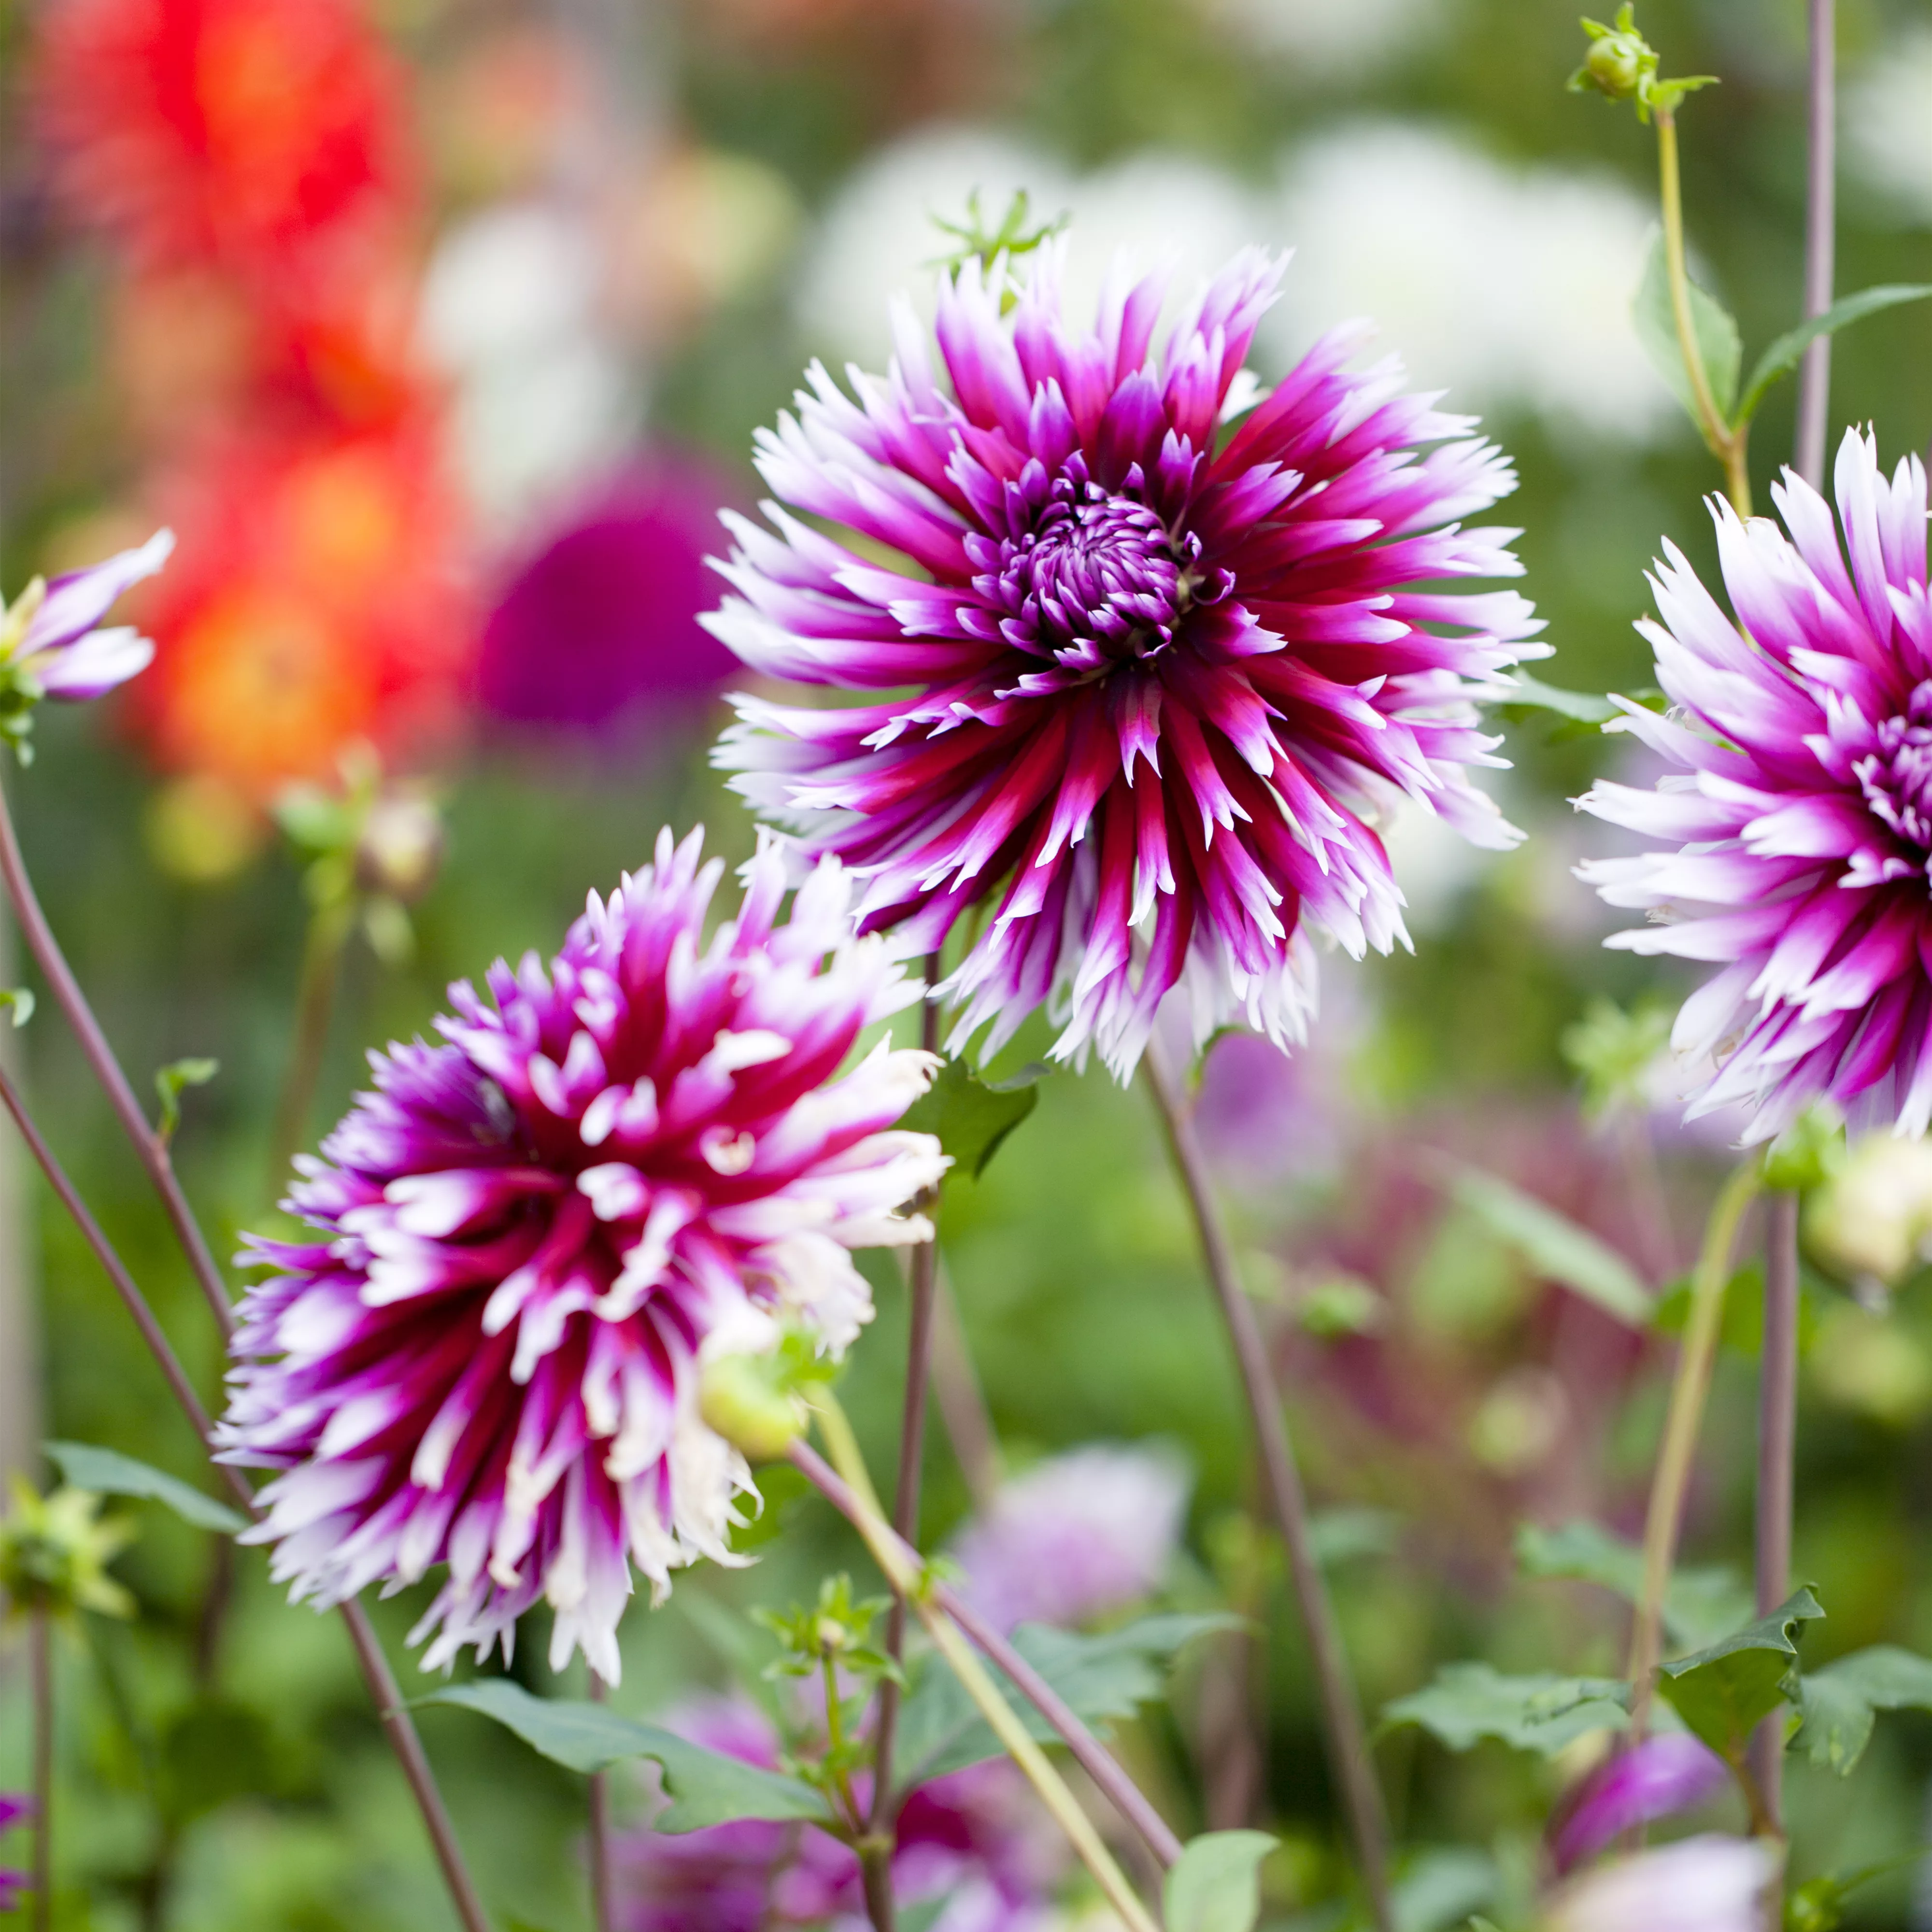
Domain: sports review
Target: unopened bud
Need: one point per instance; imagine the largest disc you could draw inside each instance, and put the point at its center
(401, 846)
(1615, 65)
(745, 1399)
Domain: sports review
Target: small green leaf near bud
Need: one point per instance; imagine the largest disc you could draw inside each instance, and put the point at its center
(748, 1400)
(169, 1083)
(20, 1001)
(1807, 1153)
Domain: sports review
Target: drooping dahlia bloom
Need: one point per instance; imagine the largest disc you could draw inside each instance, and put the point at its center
(1135, 697)
(1796, 830)
(973, 1844)
(528, 1238)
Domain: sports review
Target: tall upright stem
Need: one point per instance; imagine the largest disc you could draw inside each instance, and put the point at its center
(600, 1832)
(41, 1664)
(398, 1726)
(1727, 443)
(1342, 1716)
(876, 1858)
(1814, 373)
(1682, 1423)
(315, 1004)
(1777, 1445)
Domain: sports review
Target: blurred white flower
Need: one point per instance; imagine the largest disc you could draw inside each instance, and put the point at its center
(1325, 41)
(1888, 124)
(879, 238)
(1509, 287)
(1874, 1216)
(1707, 1884)
(512, 312)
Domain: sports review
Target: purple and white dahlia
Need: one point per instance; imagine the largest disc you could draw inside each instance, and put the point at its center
(1796, 828)
(1134, 695)
(532, 1236)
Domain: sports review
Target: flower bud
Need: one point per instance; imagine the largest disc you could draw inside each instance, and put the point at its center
(1615, 65)
(54, 1551)
(399, 846)
(1872, 1218)
(745, 1399)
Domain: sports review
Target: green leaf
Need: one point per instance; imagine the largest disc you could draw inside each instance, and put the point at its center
(1215, 1886)
(1101, 1677)
(171, 1080)
(108, 1473)
(1341, 1535)
(1700, 1605)
(1443, 1886)
(1719, 344)
(1722, 1692)
(706, 1787)
(1469, 1702)
(973, 1117)
(21, 999)
(1785, 354)
(1555, 1245)
(1839, 1701)
(1531, 693)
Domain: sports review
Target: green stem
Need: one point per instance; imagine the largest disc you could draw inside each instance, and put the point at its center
(328, 928)
(952, 1645)
(1726, 441)
(1688, 1390)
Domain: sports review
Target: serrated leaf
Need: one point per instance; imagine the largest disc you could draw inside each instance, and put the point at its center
(1719, 345)
(20, 1000)
(1582, 707)
(706, 1787)
(973, 1117)
(1839, 1701)
(1554, 1245)
(1469, 1702)
(108, 1473)
(1215, 1886)
(1721, 1692)
(1699, 1608)
(1101, 1677)
(1786, 353)
(169, 1084)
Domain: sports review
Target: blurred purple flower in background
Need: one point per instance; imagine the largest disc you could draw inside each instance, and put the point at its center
(12, 1810)
(596, 634)
(1663, 1775)
(975, 1839)
(1709, 1884)
(1076, 1537)
(1798, 819)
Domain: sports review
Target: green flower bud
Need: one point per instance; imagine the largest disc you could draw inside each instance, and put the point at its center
(1807, 1153)
(747, 1400)
(1615, 65)
(54, 1551)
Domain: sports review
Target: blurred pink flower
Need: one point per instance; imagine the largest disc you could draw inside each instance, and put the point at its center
(12, 1883)
(51, 642)
(1670, 1773)
(1085, 1533)
(1709, 1884)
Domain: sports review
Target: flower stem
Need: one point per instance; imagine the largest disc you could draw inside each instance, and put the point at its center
(328, 928)
(1814, 373)
(1726, 441)
(600, 1833)
(902, 1570)
(41, 1665)
(1776, 1444)
(397, 1723)
(1347, 1736)
(921, 1286)
(1682, 1423)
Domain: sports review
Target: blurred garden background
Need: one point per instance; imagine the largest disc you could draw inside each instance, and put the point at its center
(438, 330)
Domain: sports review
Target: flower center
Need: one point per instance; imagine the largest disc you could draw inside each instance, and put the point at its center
(1897, 778)
(1092, 576)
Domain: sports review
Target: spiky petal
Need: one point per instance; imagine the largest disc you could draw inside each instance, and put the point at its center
(1795, 831)
(529, 1236)
(1137, 697)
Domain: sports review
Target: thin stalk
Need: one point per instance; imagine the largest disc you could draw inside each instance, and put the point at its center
(148, 1146)
(1341, 1716)
(41, 1666)
(600, 1832)
(396, 1720)
(1087, 1750)
(1727, 441)
(903, 1570)
(328, 928)
(876, 1858)
(1685, 1419)
(1777, 1445)
(1814, 373)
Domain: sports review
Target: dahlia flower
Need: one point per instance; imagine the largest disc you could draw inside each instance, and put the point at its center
(529, 1236)
(1796, 828)
(51, 642)
(1084, 1534)
(1709, 1884)
(1132, 699)
(1664, 1774)
(974, 1839)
